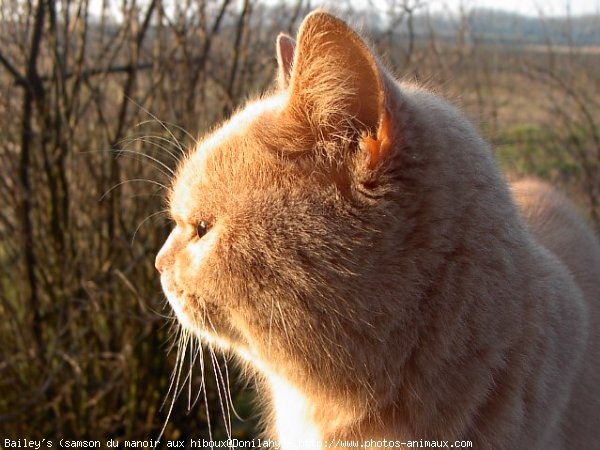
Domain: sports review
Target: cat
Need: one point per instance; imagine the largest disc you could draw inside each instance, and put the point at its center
(351, 239)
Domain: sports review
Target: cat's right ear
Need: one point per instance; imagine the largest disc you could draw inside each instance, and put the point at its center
(285, 59)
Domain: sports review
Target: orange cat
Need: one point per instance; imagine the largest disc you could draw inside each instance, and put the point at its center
(352, 239)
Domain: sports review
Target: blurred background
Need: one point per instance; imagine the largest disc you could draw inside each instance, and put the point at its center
(98, 98)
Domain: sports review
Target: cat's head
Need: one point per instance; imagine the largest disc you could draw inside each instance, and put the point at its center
(294, 227)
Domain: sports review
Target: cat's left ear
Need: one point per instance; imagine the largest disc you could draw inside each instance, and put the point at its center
(285, 58)
(337, 87)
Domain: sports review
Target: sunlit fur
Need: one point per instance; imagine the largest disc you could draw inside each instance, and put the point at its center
(395, 294)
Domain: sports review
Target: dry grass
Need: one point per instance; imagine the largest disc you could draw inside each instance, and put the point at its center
(83, 332)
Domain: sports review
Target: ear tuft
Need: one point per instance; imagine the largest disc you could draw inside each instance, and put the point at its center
(378, 148)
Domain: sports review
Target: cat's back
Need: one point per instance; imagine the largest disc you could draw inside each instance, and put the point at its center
(556, 225)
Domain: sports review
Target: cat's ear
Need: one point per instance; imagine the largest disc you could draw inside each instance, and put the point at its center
(285, 59)
(336, 84)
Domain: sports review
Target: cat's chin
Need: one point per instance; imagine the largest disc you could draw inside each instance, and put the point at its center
(226, 345)
(176, 302)
(211, 338)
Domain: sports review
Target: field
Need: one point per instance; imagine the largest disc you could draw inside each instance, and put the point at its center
(95, 112)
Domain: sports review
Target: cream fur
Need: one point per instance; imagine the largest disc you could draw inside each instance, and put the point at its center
(369, 262)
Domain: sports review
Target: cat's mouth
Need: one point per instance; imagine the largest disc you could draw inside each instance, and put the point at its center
(176, 298)
(204, 329)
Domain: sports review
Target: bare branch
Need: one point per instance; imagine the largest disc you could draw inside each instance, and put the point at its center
(18, 78)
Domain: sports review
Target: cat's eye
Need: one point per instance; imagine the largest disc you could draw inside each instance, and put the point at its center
(201, 229)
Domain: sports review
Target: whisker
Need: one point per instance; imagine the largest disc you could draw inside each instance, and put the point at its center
(174, 338)
(161, 123)
(148, 139)
(195, 351)
(220, 383)
(229, 392)
(163, 211)
(199, 353)
(188, 376)
(206, 401)
(126, 152)
(178, 366)
(215, 364)
(146, 180)
(145, 196)
(169, 318)
(174, 373)
(190, 373)
(123, 151)
(174, 125)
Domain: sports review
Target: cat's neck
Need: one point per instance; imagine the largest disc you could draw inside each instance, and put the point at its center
(293, 416)
(471, 384)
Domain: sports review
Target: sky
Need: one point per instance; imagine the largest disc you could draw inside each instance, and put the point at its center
(528, 7)
(546, 8)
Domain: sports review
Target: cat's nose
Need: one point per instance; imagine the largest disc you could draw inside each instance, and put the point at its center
(158, 262)
(164, 257)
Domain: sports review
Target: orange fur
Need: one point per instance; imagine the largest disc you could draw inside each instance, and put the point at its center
(387, 287)
(378, 147)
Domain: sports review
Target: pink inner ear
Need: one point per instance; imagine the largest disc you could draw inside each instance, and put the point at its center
(285, 59)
